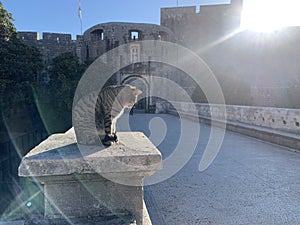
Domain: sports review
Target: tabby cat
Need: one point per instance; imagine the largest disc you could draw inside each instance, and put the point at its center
(95, 116)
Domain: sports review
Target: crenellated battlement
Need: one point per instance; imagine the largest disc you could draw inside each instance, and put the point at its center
(51, 44)
(56, 37)
(207, 25)
(46, 36)
(29, 36)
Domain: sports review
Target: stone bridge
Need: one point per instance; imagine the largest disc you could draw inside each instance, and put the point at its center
(249, 182)
(253, 179)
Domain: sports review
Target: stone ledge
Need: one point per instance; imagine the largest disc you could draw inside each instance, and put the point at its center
(61, 155)
(113, 220)
(81, 181)
(289, 140)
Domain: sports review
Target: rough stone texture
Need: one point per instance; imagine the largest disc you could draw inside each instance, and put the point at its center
(270, 68)
(19, 222)
(103, 37)
(96, 40)
(51, 45)
(108, 220)
(79, 221)
(81, 181)
(60, 155)
(207, 25)
(95, 196)
(275, 118)
(275, 125)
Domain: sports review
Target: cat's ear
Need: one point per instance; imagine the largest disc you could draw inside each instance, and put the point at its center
(137, 92)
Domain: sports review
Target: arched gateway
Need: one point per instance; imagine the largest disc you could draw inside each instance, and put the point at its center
(103, 37)
(141, 83)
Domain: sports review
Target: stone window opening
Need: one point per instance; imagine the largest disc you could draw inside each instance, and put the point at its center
(162, 36)
(87, 52)
(135, 35)
(97, 35)
(121, 61)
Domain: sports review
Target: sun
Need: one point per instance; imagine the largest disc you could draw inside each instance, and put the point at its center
(269, 15)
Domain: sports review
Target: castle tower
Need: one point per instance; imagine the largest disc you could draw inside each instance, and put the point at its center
(194, 29)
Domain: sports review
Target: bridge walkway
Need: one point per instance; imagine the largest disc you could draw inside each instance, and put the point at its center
(250, 182)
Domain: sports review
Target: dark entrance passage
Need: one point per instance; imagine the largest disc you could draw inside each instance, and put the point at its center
(144, 99)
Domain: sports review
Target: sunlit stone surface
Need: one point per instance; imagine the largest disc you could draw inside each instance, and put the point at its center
(82, 181)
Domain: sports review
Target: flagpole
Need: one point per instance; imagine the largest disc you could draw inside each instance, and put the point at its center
(81, 26)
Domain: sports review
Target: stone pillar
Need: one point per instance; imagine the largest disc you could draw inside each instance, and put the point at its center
(85, 181)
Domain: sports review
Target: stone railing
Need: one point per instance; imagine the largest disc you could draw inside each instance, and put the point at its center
(88, 183)
(265, 123)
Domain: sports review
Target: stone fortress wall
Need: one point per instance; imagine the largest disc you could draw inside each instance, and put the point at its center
(194, 29)
(104, 37)
(96, 40)
(176, 25)
(259, 59)
(267, 62)
(51, 44)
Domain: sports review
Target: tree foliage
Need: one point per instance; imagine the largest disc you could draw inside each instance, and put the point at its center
(7, 28)
(65, 73)
(18, 62)
(19, 66)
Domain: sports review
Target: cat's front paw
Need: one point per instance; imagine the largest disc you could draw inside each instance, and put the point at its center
(115, 137)
(109, 140)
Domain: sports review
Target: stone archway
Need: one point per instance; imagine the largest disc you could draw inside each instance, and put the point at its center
(142, 84)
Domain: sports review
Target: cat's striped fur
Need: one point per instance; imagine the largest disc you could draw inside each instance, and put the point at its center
(95, 116)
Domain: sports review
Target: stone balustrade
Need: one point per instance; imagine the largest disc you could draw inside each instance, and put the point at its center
(81, 182)
(278, 123)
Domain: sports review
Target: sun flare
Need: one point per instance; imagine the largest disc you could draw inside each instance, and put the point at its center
(269, 15)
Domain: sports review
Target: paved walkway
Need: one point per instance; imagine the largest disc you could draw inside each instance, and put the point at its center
(249, 183)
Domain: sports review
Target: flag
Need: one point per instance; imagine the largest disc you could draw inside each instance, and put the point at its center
(79, 11)
(80, 16)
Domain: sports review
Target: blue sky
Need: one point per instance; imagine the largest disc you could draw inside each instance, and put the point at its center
(61, 16)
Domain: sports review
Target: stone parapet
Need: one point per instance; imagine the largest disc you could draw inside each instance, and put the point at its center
(275, 125)
(280, 119)
(87, 181)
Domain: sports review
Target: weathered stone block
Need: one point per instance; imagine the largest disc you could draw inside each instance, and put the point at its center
(83, 181)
